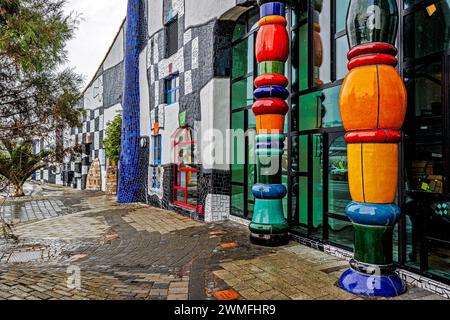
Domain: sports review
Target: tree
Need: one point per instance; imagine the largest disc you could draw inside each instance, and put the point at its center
(113, 137)
(18, 162)
(38, 96)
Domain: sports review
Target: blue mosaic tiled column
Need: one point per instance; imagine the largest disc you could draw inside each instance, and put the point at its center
(129, 181)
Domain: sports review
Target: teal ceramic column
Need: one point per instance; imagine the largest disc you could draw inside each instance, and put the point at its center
(269, 226)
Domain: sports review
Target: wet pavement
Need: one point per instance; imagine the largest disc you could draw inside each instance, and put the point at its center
(95, 249)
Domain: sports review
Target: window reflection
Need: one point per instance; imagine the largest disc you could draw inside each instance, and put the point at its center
(320, 109)
(322, 47)
(338, 189)
(424, 130)
(427, 30)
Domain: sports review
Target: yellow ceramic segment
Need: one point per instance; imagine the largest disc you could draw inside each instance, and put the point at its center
(373, 97)
(373, 172)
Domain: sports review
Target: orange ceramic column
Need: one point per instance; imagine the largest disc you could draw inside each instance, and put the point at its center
(373, 108)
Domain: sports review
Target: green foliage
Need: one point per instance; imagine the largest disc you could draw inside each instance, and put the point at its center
(18, 163)
(113, 137)
(37, 95)
(34, 32)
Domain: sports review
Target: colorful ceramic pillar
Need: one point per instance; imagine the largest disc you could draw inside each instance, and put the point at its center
(373, 108)
(269, 226)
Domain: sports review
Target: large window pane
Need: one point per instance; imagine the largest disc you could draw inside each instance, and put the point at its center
(242, 95)
(341, 14)
(237, 200)
(424, 130)
(428, 30)
(302, 189)
(338, 189)
(192, 188)
(317, 159)
(240, 65)
(322, 44)
(303, 58)
(341, 232)
(341, 57)
(320, 109)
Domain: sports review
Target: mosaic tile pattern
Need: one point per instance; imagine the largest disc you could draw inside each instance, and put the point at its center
(129, 181)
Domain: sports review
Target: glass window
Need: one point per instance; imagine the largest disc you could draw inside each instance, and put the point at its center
(243, 57)
(172, 93)
(428, 30)
(320, 109)
(240, 29)
(303, 58)
(338, 189)
(242, 93)
(322, 42)
(341, 14)
(243, 121)
(185, 172)
(172, 38)
(424, 130)
(317, 177)
(156, 170)
(341, 232)
(237, 200)
(341, 57)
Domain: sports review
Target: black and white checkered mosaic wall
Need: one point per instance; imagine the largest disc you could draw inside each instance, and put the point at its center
(202, 64)
(100, 103)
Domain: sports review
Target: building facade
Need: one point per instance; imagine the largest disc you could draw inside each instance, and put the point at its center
(197, 68)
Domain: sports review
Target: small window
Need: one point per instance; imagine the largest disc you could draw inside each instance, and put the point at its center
(156, 149)
(172, 93)
(156, 177)
(171, 38)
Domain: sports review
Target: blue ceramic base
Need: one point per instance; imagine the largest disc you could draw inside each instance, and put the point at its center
(372, 286)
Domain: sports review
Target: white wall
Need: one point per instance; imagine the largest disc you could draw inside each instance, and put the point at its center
(215, 108)
(111, 113)
(144, 95)
(116, 55)
(155, 16)
(93, 96)
(199, 12)
(170, 126)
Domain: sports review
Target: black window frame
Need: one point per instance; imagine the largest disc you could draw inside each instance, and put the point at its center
(422, 198)
(171, 33)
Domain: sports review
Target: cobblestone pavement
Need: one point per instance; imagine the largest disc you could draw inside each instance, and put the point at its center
(107, 251)
(46, 203)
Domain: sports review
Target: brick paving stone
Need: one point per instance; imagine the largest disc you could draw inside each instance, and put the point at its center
(140, 253)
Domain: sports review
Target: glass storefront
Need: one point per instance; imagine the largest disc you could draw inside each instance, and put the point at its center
(315, 166)
(425, 194)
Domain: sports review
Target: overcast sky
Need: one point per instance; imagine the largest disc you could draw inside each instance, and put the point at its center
(101, 22)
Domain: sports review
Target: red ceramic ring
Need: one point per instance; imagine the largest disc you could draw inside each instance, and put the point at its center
(370, 48)
(270, 106)
(373, 136)
(372, 59)
(271, 80)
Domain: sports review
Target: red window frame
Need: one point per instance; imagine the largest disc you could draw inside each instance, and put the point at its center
(179, 168)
